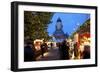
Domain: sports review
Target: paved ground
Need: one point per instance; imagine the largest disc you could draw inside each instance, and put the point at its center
(53, 54)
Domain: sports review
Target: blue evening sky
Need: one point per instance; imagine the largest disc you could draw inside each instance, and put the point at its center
(70, 21)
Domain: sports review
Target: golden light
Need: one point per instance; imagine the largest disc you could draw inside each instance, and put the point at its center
(37, 44)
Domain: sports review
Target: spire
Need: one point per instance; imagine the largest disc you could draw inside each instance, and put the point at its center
(59, 25)
(59, 20)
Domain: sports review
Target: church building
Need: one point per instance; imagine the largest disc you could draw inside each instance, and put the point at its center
(59, 34)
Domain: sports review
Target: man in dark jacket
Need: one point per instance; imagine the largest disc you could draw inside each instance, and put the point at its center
(28, 53)
(43, 48)
(65, 50)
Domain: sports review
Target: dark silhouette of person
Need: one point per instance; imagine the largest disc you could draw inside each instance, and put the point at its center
(51, 44)
(65, 50)
(75, 50)
(60, 50)
(29, 53)
(86, 52)
(43, 48)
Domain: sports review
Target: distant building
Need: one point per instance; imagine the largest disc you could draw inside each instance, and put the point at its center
(59, 35)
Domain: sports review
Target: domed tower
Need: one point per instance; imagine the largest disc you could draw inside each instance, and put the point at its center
(59, 34)
(59, 25)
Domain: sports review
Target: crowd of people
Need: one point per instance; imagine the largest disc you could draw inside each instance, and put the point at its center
(30, 52)
(63, 47)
